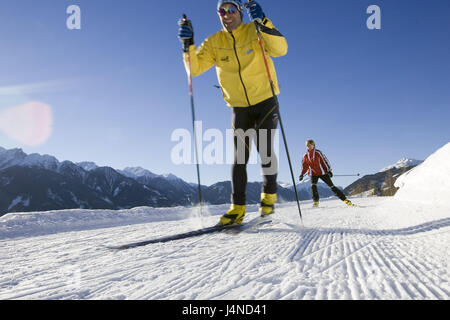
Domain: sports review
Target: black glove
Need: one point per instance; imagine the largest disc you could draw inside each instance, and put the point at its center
(300, 178)
(186, 33)
(330, 174)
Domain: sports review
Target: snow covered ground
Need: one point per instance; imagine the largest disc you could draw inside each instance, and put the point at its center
(388, 248)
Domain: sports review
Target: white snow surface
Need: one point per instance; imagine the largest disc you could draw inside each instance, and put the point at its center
(387, 248)
(428, 182)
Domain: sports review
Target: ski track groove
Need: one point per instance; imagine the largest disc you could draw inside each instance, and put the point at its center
(312, 245)
(414, 271)
(326, 239)
(350, 266)
(346, 256)
(361, 276)
(384, 265)
(303, 244)
(214, 265)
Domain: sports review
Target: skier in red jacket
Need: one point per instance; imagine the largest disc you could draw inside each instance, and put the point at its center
(318, 166)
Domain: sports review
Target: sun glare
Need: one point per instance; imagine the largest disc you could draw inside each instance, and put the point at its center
(30, 123)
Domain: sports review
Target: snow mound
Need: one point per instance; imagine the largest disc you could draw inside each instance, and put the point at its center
(429, 182)
(29, 224)
(37, 223)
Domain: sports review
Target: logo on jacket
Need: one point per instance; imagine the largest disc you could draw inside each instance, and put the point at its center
(225, 59)
(249, 51)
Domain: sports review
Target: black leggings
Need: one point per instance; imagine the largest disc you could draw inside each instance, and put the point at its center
(326, 178)
(263, 115)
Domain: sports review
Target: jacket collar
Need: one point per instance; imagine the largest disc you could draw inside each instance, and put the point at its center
(311, 154)
(236, 31)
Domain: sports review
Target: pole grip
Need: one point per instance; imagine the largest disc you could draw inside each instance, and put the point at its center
(257, 20)
(185, 22)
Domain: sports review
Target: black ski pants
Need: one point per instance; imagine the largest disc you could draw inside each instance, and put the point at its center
(325, 178)
(255, 123)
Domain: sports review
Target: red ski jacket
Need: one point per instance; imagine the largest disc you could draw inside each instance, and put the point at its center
(315, 163)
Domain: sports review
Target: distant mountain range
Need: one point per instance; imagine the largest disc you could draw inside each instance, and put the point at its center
(34, 182)
(403, 163)
(382, 182)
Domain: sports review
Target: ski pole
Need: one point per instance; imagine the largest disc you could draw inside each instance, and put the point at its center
(186, 50)
(269, 76)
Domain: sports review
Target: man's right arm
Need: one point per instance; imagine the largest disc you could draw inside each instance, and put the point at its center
(305, 166)
(201, 59)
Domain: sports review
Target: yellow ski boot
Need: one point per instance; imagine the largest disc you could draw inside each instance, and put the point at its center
(315, 204)
(267, 206)
(233, 216)
(349, 203)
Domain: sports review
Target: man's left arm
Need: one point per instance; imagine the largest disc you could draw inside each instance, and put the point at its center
(275, 43)
(324, 161)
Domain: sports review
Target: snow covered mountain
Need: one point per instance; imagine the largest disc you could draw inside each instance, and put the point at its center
(87, 165)
(40, 182)
(34, 182)
(16, 157)
(402, 163)
(382, 182)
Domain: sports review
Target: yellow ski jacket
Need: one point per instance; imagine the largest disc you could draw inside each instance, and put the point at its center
(239, 62)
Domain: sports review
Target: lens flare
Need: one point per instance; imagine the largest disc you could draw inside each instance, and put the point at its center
(30, 123)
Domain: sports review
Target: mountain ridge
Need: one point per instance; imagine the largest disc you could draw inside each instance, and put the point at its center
(37, 182)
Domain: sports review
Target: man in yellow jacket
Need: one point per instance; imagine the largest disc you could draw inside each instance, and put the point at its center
(245, 86)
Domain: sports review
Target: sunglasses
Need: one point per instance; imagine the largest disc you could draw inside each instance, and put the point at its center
(230, 10)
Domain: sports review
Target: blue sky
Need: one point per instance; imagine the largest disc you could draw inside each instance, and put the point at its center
(117, 88)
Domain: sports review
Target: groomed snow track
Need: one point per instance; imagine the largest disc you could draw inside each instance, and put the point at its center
(384, 249)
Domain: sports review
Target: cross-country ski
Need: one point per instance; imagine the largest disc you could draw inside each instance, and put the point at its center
(216, 228)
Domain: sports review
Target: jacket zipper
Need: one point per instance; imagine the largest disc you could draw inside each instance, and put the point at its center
(239, 65)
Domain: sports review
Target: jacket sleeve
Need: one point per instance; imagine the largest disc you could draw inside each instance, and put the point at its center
(274, 42)
(324, 161)
(305, 166)
(202, 58)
